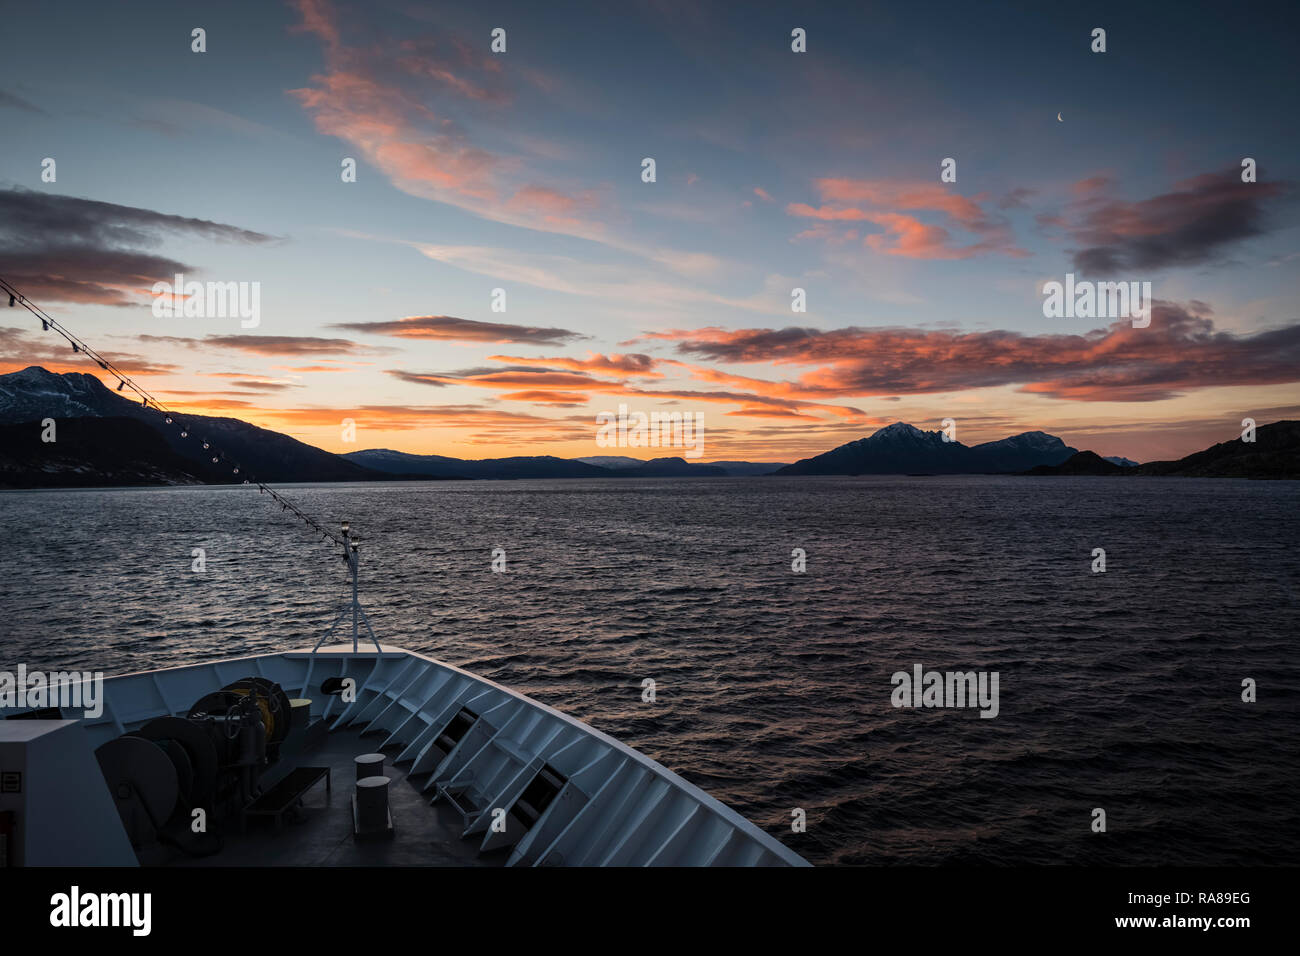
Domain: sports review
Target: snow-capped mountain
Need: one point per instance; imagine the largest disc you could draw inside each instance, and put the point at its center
(901, 448)
(1021, 452)
(35, 394)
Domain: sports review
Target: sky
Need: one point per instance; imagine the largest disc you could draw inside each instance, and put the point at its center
(522, 171)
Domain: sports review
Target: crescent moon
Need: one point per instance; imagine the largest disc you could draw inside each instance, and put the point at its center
(1058, 118)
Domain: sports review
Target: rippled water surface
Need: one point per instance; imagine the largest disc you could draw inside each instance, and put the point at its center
(1118, 690)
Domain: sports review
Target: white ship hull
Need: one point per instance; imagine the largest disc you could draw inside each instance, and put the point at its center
(614, 806)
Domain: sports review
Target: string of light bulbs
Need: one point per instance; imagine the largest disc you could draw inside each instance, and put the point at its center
(125, 382)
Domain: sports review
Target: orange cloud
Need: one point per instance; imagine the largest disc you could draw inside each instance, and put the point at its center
(266, 344)
(1181, 351)
(888, 194)
(887, 204)
(508, 378)
(394, 102)
(913, 239)
(539, 397)
(552, 376)
(633, 365)
(449, 328)
(20, 348)
(825, 212)
(305, 369)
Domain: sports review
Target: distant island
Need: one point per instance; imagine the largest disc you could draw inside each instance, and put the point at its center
(107, 440)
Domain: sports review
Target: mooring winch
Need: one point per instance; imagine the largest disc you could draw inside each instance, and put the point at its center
(174, 775)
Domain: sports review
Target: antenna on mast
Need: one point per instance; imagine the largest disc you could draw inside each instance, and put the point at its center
(352, 556)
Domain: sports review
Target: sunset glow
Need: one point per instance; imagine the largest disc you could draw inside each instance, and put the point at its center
(500, 273)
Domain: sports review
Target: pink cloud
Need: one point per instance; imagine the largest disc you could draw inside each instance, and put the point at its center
(889, 204)
(394, 102)
(1180, 352)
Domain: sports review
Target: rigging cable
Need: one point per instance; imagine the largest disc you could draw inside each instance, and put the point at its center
(124, 381)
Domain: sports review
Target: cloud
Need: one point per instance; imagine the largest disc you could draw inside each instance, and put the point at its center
(267, 344)
(395, 101)
(762, 401)
(1192, 225)
(65, 249)
(408, 105)
(304, 369)
(20, 348)
(489, 425)
(10, 101)
(889, 204)
(611, 282)
(256, 385)
(751, 403)
(175, 118)
(449, 328)
(766, 412)
(552, 399)
(1016, 198)
(633, 365)
(1181, 351)
(525, 378)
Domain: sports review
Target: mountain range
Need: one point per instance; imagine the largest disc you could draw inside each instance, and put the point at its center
(105, 439)
(539, 466)
(905, 449)
(735, 469)
(1275, 453)
(35, 394)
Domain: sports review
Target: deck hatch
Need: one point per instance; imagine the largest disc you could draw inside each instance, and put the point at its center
(456, 729)
(538, 795)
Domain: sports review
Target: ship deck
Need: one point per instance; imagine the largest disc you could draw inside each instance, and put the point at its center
(572, 796)
(320, 833)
